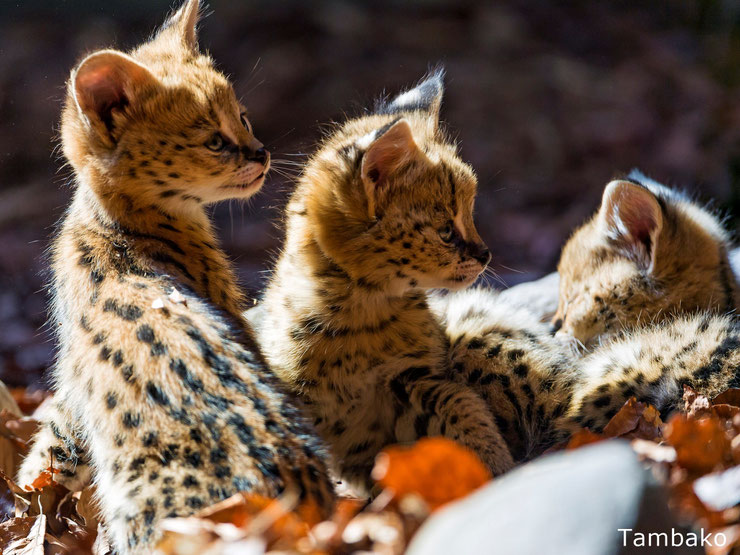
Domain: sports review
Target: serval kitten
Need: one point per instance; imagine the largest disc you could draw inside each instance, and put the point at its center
(159, 386)
(382, 212)
(504, 352)
(649, 254)
(653, 364)
(539, 390)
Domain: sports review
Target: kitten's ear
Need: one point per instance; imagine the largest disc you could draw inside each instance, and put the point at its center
(389, 150)
(631, 218)
(185, 22)
(104, 84)
(425, 97)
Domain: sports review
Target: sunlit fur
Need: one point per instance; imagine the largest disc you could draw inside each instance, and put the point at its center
(345, 320)
(156, 154)
(645, 304)
(603, 290)
(400, 249)
(159, 387)
(540, 392)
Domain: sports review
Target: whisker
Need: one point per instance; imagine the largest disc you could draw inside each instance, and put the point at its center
(511, 269)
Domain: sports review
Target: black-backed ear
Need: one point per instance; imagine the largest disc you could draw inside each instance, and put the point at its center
(185, 22)
(390, 149)
(632, 218)
(425, 97)
(104, 84)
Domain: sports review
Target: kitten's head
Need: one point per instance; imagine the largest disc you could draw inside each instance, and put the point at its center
(648, 254)
(391, 202)
(161, 124)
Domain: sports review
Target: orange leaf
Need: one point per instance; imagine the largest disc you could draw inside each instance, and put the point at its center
(45, 479)
(635, 420)
(728, 397)
(28, 400)
(584, 437)
(700, 444)
(437, 469)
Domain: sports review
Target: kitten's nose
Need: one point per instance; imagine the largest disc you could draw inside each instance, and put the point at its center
(260, 155)
(481, 253)
(555, 326)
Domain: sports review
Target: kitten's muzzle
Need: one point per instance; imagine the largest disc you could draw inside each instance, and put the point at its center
(259, 156)
(479, 252)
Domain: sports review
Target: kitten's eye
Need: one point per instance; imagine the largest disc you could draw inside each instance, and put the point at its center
(446, 232)
(215, 143)
(245, 123)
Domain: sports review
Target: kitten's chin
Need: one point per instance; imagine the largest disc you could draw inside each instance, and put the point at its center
(245, 190)
(455, 283)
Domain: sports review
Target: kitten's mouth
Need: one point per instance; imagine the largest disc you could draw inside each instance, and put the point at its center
(255, 183)
(466, 275)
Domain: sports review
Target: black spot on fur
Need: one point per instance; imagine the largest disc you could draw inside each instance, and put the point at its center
(155, 393)
(131, 419)
(145, 333)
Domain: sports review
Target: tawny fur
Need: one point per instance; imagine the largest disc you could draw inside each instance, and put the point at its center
(539, 389)
(159, 386)
(649, 254)
(383, 212)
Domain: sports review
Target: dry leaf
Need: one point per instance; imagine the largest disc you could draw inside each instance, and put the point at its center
(719, 490)
(437, 469)
(375, 533)
(653, 451)
(695, 404)
(635, 420)
(700, 444)
(732, 537)
(15, 435)
(32, 543)
(29, 400)
(729, 397)
(584, 437)
(7, 401)
(45, 479)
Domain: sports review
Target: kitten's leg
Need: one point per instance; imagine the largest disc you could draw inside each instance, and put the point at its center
(442, 407)
(56, 444)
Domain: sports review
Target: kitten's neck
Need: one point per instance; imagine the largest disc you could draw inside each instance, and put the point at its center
(130, 211)
(181, 245)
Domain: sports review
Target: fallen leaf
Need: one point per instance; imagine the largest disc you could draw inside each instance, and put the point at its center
(375, 533)
(728, 397)
(635, 420)
(8, 402)
(437, 469)
(45, 479)
(695, 404)
(732, 541)
(32, 543)
(29, 400)
(719, 490)
(701, 444)
(584, 437)
(653, 451)
(15, 435)
(15, 529)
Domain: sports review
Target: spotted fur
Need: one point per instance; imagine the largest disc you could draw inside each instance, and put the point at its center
(159, 386)
(643, 285)
(649, 254)
(383, 212)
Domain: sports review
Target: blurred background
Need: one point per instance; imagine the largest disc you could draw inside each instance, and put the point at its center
(549, 100)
